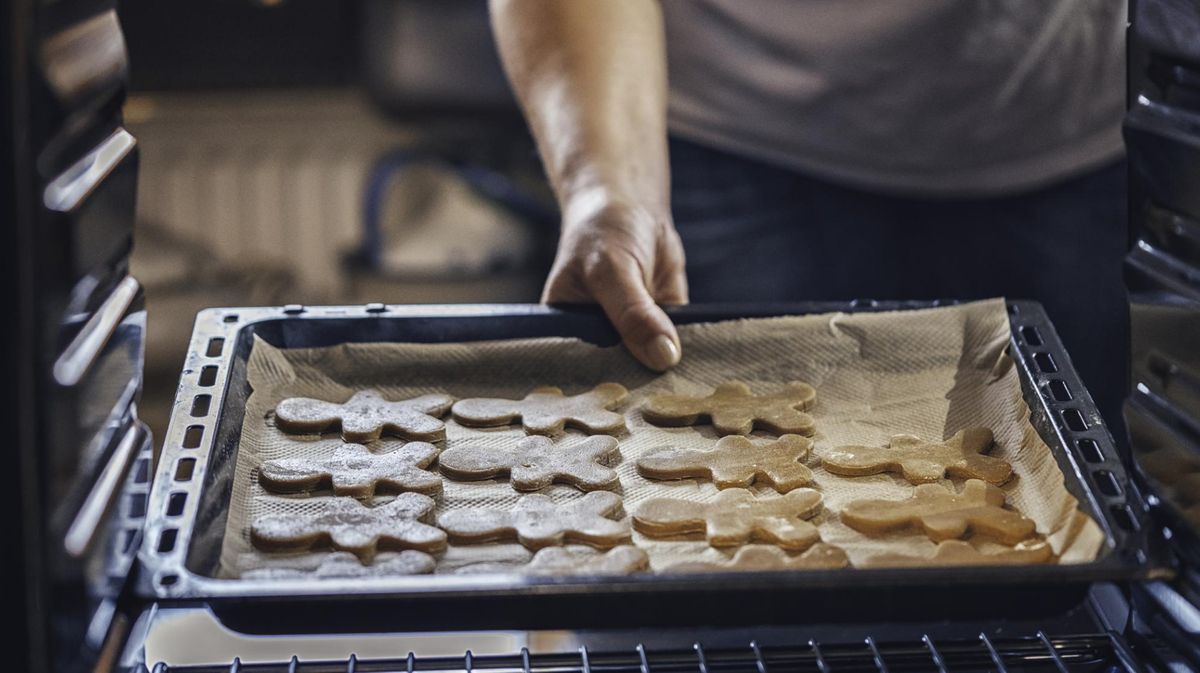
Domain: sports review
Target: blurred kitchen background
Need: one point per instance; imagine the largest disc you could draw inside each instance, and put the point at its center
(309, 151)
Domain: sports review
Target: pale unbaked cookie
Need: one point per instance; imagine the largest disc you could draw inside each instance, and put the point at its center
(757, 557)
(355, 471)
(366, 416)
(961, 553)
(345, 564)
(348, 525)
(735, 462)
(563, 562)
(537, 521)
(735, 518)
(734, 410)
(920, 461)
(942, 514)
(546, 411)
(535, 462)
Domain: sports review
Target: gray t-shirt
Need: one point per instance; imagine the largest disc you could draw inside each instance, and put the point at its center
(933, 97)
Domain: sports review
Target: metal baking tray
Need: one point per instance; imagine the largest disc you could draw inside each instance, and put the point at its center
(186, 515)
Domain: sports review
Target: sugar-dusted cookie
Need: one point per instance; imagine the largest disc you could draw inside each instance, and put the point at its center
(535, 463)
(942, 513)
(756, 557)
(920, 461)
(735, 518)
(736, 462)
(344, 564)
(366, 416)
(559, 561)
(353, 470)
(961, 553)
(348, 525)
(537, 521)
(734, 410)
(546, 411)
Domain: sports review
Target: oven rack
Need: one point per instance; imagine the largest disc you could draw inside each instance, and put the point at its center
(1064, 654)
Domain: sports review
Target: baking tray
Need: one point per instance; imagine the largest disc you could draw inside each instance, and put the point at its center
(193, 479)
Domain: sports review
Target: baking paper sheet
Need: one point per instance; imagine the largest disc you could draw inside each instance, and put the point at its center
(927, 372)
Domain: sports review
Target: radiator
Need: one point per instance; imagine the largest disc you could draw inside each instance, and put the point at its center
(256, 179)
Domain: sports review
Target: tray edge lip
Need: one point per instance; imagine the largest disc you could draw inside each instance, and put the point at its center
(1117, 560)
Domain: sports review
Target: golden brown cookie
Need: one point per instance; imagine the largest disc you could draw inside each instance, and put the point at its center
(735, 518)
(348, 525)
(734, 410)
(537, 521)
(758, 557)
(961, 553)
(559, 561)
(366, 416)
(344, 564)
(535, 463)
(920, 461)
(942, 513)
(736, 462)
(546, 411)
(353, 470)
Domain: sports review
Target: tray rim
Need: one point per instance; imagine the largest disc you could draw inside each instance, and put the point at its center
(166, 576)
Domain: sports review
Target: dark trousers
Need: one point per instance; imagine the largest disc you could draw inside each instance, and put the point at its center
(757, 232)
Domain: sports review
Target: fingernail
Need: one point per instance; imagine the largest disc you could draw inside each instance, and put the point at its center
(662, 352)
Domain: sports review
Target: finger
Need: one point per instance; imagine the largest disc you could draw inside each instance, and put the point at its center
(670, 284)
(617, 284)
(564, 288)
(672, 290)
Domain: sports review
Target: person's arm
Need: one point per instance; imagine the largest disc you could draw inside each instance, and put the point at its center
(591, 78)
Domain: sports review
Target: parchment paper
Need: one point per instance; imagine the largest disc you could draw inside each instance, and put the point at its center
(928, 372)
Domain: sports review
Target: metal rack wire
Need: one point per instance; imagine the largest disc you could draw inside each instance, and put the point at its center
(1067, 654)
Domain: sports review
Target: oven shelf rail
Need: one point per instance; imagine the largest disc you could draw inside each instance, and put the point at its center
(1065, 654)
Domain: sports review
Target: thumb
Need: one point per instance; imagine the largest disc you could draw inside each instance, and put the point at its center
(645, 329)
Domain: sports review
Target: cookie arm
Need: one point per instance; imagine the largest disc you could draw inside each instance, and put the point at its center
(732, 422)
(477, 525)
(788, 421)
(283, 533)
(484, 412)
(599, 422)
(664, 517)
(291, 475)
(298, 415)
(992, 470)
(855, 461)
(469, 463)
(673, 463)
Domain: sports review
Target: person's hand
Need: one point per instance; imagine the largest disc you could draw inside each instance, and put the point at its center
(627, 260)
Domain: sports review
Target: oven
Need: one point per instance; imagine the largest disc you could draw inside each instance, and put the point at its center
(114, 541)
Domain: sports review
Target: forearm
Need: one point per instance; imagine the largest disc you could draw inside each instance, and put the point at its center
(591, 78)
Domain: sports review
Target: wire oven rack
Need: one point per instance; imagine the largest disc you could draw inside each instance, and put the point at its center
(1040, 652)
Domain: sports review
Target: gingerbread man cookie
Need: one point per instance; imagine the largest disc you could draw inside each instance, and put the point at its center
(736, 462)
(735, 518)
(734, 410)
(535, 463)
(920, 461)
(546, 411)
(559, 561)
(961, 553)
(942, 513)
(348, 525)
(757, 557)
(537, 521)
(366, 416)
(344, 564)
(353, 470)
